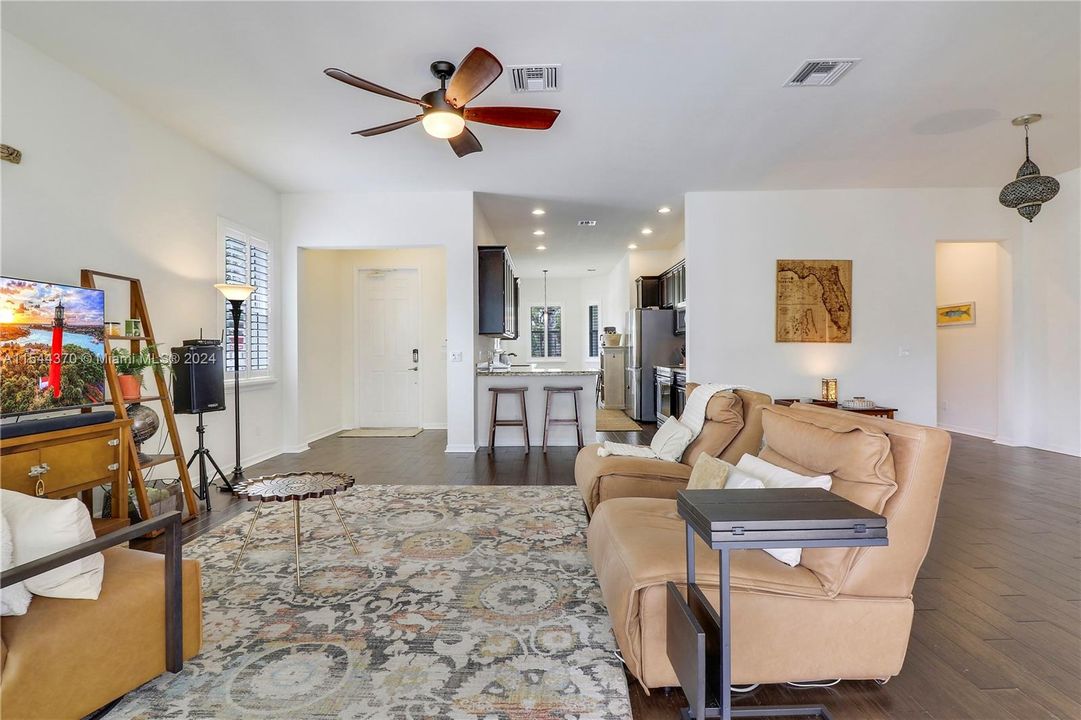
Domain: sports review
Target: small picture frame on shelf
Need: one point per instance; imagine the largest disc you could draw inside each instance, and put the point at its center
(133, 327)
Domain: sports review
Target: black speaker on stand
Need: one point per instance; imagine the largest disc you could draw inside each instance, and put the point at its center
(199, 387)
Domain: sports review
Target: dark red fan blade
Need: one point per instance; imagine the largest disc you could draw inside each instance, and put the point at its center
(526, 118)
(475, 73)
(379, 130)
(464, 143)
(363, 84)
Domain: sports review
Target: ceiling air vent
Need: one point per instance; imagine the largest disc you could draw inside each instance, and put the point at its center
(820, 73)
(587, 223)
(535, 78)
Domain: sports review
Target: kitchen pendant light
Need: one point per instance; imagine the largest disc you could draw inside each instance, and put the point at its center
(544, 313)
(1030, 190)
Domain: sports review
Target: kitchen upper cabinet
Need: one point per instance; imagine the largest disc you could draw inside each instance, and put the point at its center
(497, 292)
(671, 287)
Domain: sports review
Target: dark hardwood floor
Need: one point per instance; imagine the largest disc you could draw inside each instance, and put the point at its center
(997, 632)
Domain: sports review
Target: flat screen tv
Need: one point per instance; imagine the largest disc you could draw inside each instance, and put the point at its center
(52, 347)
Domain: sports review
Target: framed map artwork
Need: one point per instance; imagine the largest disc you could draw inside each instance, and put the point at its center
(814, 301)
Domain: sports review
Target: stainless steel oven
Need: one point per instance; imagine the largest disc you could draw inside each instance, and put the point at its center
(664, 393)
(681, 319)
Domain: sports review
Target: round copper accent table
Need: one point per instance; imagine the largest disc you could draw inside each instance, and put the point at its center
(295, 486)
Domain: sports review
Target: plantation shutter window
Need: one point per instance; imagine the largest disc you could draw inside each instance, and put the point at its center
(247, 262)
(594, 322)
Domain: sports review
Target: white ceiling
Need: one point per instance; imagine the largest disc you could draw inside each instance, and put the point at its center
(659, 98)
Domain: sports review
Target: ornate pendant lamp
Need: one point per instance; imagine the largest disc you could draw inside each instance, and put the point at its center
(1030, 190)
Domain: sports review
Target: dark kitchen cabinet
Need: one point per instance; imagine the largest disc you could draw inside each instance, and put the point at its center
(671, 287)
(497, 292)
(648, 290)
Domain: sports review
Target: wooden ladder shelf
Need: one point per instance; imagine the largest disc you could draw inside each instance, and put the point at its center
(135, 465)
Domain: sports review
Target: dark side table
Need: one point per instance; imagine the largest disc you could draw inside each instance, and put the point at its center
(699, 638)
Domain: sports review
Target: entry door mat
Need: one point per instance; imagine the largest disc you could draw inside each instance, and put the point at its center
(464, 603)
(380, 432)
(614, 421)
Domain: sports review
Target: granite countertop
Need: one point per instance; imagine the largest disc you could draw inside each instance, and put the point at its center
(532, 372)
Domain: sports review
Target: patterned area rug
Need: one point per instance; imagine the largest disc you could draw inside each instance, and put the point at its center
(465, 603)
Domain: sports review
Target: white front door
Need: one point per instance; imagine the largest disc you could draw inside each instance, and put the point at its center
(387, 349)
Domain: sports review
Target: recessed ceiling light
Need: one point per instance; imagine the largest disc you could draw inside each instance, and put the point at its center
(632, 246)
(664, 210)
(538, 233)
(542, 247)
(538, 211)
(647, 231)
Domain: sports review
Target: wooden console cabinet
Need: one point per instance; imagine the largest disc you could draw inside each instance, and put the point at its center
(69, 462)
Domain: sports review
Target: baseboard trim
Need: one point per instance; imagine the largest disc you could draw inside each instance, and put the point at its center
(434, 426)
(260, 457)
(451, 448)
(324, 433)
(296, 448)
(1011, 442)
(967, 431)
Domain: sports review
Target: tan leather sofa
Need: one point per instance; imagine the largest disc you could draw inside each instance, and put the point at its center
(840, 613)
(733, 427)
(67, 658)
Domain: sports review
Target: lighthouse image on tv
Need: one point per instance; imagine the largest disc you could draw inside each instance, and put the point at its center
(52, 346)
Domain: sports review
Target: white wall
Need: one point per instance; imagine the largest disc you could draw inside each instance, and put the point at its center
(103, 186)
(382, 221)
(733, 240)
(322, 308)
(1047, 281)
(967, 360)
(575, 295)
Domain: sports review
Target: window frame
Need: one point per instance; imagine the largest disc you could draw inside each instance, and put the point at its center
(589, 335)
(251, 239)
(562, 357)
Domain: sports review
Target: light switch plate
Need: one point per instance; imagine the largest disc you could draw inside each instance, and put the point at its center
(456, 357)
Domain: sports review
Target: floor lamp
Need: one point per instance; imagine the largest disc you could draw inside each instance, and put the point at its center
(236, 294)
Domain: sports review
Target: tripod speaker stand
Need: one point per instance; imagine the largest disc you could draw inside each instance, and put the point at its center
(203, 453)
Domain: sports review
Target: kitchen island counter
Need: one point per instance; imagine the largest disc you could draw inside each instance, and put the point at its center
(535, 380)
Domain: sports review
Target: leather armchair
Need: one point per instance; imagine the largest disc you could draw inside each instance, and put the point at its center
(67, 658)
(733, 427)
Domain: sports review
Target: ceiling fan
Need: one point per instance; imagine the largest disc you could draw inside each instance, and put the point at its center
(445, 113)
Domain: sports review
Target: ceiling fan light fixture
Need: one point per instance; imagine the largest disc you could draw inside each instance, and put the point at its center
(443, 124)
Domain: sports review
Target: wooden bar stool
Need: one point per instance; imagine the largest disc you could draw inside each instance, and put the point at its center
(523, 423)
(548, 420)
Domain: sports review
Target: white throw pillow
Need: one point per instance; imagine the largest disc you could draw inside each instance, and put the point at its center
(671, 440)
(41, 527)
(14, 599)
(773, 476)
(739, 480)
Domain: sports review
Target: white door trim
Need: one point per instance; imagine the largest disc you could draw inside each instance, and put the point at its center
(421, 345)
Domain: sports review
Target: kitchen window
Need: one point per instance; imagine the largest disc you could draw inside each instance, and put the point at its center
(546, 339)
(594, 325)
(247, 261)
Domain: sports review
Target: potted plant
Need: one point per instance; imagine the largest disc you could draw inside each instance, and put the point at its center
(129, 369)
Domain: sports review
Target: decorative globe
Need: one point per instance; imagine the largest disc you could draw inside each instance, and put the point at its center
(144, 423)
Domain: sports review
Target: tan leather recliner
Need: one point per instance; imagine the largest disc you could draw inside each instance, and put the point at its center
(841, 613)
(733, 427)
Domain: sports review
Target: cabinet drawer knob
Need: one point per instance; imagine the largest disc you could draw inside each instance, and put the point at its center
(114, 442)
(36, 470)
(39, 487)
(114, 466)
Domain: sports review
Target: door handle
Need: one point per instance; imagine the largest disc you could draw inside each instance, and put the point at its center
(413, 369)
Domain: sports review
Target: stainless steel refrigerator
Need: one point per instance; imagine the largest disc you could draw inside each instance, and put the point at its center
(651, 341)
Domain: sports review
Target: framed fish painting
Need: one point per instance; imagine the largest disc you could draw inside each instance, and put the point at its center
(960, 314)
